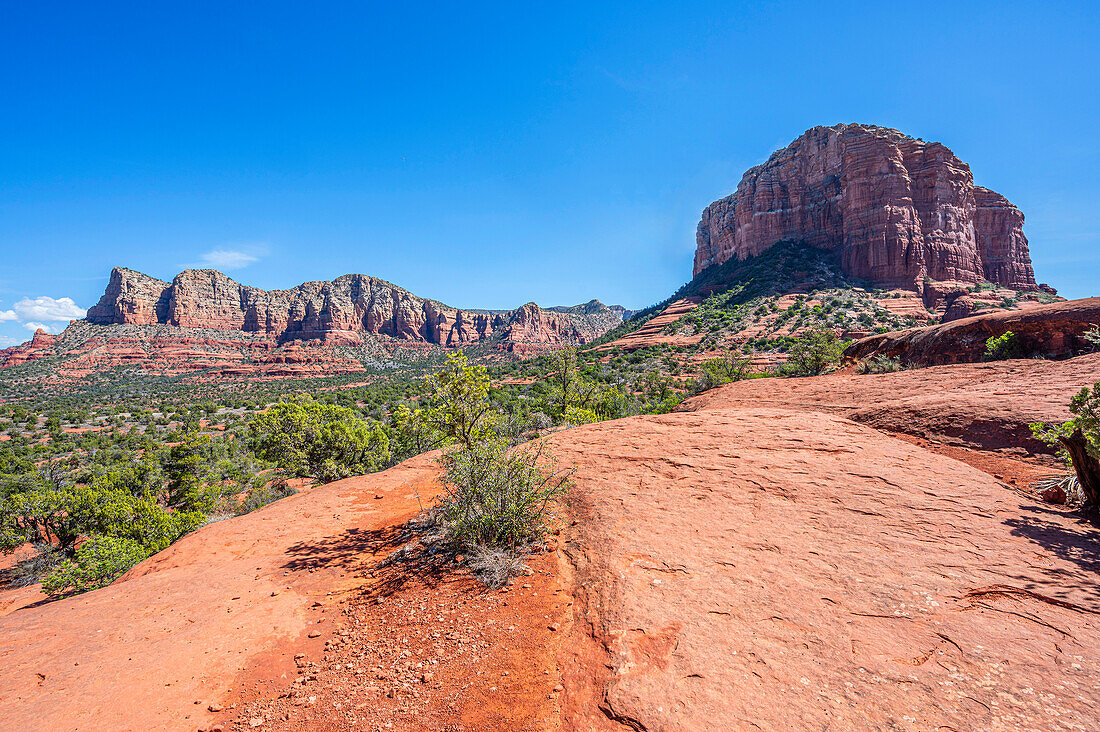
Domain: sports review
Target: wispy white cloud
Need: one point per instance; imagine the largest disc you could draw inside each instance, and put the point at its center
(8, 341)
(48, 327)
(228, 259)
(233, 255)
(47, 308)
(8, 315)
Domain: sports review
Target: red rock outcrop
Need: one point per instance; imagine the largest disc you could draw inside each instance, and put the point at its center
(895, 209)
(343, 310)
(39, 346)
(999, 227)
(958, 308)
(1052, 331)
(206, 322)
(131, 298)
(653, 333)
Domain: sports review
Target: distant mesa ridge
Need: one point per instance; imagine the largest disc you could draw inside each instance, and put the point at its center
(895, 209)
(342, 310)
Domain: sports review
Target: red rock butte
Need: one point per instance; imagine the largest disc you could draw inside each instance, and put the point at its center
(896, 210)
(342, 310)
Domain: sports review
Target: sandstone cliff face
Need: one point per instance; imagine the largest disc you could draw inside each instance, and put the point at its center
(131, 298)
(341, 311)
(895, 209)
(1001, 242)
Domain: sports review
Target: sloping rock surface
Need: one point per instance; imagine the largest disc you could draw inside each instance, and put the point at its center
(895, 209)
(652, 333)
(1051, 331)
(770, 569)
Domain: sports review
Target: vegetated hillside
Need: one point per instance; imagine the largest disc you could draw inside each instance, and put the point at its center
(755, 305)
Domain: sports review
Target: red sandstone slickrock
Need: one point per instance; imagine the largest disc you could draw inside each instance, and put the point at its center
(895, 209)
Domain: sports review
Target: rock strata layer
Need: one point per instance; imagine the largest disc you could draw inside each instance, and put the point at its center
(1051, 331)
(342, 311)
(895, 209)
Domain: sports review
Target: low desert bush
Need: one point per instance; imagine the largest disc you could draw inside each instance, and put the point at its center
(579, 415)
(1092, 338)
(29, 571)
(262, 493)
(495, 497)
(1065, 486)
(495, 566)
(325, 442)
(881, 364)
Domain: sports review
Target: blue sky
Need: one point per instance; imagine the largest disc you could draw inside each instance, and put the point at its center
(489, 154)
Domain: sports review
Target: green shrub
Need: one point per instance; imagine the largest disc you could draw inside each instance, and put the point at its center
(307, 439)
(187, 469)
(813, 352)
(98, 561)
(30, 570)
(717, 371)
(570, 387)
(263, 493)
(1092, 338)
(1002, 347)
(612, 403)
(34, 508)
(1078, 441)
(579, 415)
(495, 497)
(460, 408)
(457, 409)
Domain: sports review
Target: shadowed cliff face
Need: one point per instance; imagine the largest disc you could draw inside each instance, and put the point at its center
(894, 208)
(341, 310)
